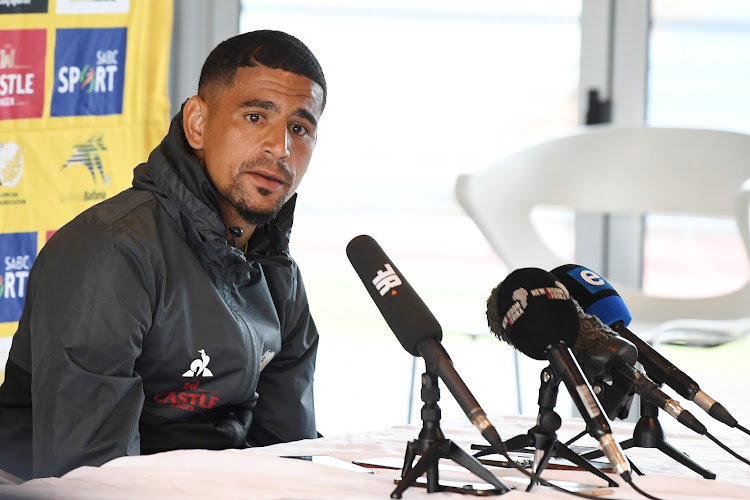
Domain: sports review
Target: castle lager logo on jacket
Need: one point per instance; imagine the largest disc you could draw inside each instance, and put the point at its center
(22, 61)
(18, 252)
(190, 397)
(89, 72)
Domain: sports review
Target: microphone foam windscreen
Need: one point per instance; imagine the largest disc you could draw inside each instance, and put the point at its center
(599, 347)
(593, 333)
(404, 311)
(530, 309)
(594, 293)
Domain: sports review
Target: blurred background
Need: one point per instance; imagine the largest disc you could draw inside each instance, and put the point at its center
(420, 92)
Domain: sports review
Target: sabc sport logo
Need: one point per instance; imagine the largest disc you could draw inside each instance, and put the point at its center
(89, 72)
(18, 252)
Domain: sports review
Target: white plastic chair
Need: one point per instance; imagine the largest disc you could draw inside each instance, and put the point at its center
(623, 170)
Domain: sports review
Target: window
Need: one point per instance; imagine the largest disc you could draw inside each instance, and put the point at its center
(418, 93)
(698, 77)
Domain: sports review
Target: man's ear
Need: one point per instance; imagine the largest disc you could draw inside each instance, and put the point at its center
(193, 120)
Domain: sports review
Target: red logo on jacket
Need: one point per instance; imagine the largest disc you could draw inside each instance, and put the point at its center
(189, 398)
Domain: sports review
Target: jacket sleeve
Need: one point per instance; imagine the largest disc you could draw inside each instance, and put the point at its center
(285, 410)
(90, 307)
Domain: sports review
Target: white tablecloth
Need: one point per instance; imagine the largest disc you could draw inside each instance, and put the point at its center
(262, 473)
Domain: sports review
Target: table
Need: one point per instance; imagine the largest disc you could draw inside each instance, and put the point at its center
(262, 473)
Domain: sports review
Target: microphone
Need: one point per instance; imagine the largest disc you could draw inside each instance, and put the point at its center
(414, 325)
(605, 356)
(532, 311)
(236, 232)
(598, 298)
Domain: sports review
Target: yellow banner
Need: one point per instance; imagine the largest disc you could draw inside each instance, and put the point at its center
(83, 100)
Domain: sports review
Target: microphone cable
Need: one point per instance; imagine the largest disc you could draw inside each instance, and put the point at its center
(636, 488)
(727, 448)
(706, 433)
(533, 476)
(743, 429)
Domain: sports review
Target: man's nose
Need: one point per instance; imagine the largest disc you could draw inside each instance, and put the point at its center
(277, 141)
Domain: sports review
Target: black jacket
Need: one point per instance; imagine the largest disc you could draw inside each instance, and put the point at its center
(143, 331)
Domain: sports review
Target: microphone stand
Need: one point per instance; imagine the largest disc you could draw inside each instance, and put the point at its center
(648, 433)
(432, 445)
(543, 436)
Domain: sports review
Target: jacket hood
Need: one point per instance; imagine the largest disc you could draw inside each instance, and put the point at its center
(175, 177)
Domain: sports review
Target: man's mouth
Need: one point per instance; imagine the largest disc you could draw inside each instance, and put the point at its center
(271, 177)
(268, 180)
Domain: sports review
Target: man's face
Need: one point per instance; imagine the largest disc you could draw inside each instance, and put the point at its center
(255, 139)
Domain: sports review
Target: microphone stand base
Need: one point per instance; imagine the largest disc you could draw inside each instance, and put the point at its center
(648, 433)
(542, 438)
(432, 446)
(428, 463)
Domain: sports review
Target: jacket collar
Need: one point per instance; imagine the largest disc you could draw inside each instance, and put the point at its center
(174, 174)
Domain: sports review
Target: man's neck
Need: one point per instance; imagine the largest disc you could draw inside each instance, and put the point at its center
(239, 238)
(238, 231)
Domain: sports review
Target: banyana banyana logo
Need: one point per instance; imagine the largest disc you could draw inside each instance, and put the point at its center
(11, 164)
(87, 154)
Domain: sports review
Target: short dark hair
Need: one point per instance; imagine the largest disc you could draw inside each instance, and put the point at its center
(269, 48)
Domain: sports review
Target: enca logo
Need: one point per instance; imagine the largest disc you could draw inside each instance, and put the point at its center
(592, 278)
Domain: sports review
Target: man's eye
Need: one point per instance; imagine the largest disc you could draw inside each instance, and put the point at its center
(299, 129)
(253, 117)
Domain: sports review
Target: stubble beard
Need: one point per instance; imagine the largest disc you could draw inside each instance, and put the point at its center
(238, 196)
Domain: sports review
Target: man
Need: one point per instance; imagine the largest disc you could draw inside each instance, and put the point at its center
(171, 315)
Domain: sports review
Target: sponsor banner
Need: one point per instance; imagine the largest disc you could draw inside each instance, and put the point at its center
(101, 75)
(18, 252)
(11, 169)
(22, 61)
(89, 71)
(66, 172)
(92, 6)
(23, 6)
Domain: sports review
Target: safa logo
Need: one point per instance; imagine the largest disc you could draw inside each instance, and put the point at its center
(18, 252)
(89, 72)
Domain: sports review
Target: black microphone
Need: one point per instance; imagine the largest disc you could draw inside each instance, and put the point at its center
(598, 298)
(532, 311)
(607, 357)
(414, 325)
(236, 232)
